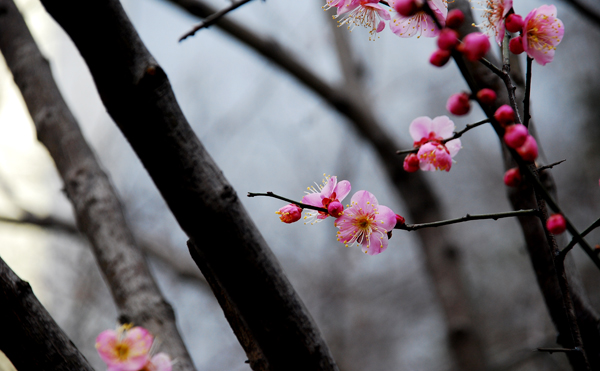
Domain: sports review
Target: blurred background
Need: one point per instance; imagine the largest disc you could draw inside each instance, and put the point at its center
(267, 132)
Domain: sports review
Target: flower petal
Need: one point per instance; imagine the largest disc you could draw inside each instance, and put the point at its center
(329, 187)
(365, 200)
(313, 199)
(453, 147)
(442, 126)
(342, 189)
(386, 218)
(420, 128)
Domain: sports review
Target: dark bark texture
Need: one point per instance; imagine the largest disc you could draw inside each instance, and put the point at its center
(29, 336)
(138, 96)
(95, 203)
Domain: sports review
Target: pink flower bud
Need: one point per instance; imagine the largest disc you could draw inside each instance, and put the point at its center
(411, 163)
(458, 104)
(516, 45)
(514, 23)
(515, 135)
(408, 8)
(290, 213)
(439, 57)
(400, 220)
(529, 150)
(455, 18)
(505, 114)
(335, 209)
(512, 177)
(448, 39)
(556, 224)
(486, 96)
(474, 46)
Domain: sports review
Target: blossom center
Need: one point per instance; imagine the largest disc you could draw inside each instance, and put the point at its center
(122, 351)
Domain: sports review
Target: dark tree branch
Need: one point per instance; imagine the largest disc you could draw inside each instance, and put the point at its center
(96, 206)
(30, 337)
(467, 218)
(269, 318)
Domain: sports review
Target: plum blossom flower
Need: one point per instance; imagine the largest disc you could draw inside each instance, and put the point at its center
(126, 349)
(542, 32)
(428, 135)
(494, 13)
(420, 23)
(290, 213)
(367, 13)
(321, 196)
(365, 223)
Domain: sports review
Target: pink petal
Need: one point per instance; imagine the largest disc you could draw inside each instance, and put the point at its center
(420, 128)
(365, 200)
(387, 216)
(440, 8)
(161, 362)
(105, 344)
(329, 187)
(453, 147)
(442, 126)
(313, 199)
(342, 189)
(380, 26)
(377, 244)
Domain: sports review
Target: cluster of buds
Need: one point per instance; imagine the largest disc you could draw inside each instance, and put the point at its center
(129, 348)
(473, 46)
(362, 222)
(460, 103)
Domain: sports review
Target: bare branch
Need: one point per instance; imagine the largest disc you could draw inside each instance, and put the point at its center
(96, 206)
(30, 337)
(466, 218)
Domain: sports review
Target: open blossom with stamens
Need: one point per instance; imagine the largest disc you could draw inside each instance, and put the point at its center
(365, 223)
(366, 13)
(494, 13)
(420, 23)
(542, 31)
(428, 135)
(321, 196)
(126, 349)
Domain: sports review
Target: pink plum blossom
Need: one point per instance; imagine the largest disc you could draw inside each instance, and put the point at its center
(365, 223)
(290, 213)
(367, 13)
(542, 32)
(126, 349)
(160, 362)
(494, 13)
(420, 23)
(428, 134)
(321, 196)
(334, 4)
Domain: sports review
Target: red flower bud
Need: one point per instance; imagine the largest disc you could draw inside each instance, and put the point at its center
(455, 18)
(512, 177)
(290, 213)
(439, 57)
(474, 46)
(408, 8)
(556, 224)
(335, 209)
(486, 96)
(400, 220)
(516, 45)
(514, 23)
(448, 39)
(529, 150)
(505, 114)
(515, 135)
(458, 104)
(411, 163)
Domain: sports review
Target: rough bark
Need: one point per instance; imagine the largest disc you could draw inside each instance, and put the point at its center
(442, 258)
(95, 203)
(138, 96)
(30, 337)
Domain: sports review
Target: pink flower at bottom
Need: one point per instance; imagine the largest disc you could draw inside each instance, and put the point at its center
(365, 223)
(126, 349)
(542, 31)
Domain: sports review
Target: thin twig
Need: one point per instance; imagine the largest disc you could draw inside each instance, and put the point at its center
(456, 135)
(304, 206)
(526, 114)
(558, 350)
(549, 166)
(573, 242)
(466, 218)
(209, 21)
